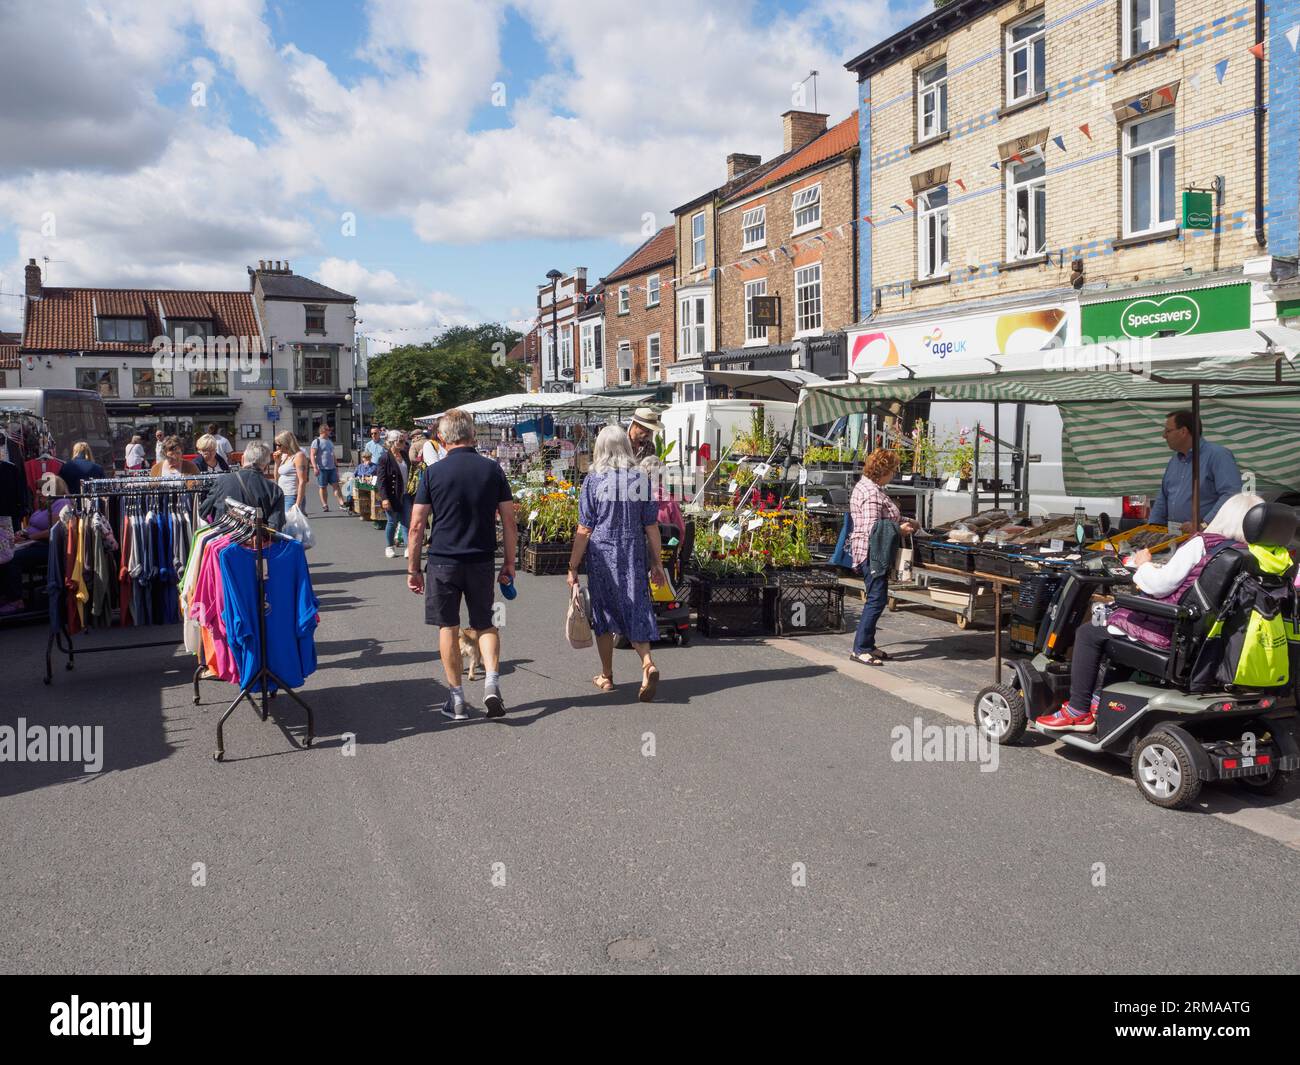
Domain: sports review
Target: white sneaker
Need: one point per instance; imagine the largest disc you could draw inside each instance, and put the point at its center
(406, 553)
(389, 553)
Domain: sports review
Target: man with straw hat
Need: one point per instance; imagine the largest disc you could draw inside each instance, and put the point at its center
(641, 431)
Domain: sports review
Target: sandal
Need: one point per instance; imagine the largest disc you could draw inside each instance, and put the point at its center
(604, 682)
(866, 658)
(649, 685)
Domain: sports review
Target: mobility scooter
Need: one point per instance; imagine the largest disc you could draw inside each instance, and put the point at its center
(1169, 711)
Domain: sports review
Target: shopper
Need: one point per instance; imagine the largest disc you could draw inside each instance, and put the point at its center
(1220, 478)
(158, 445)
(224, 446)
(210, 458)
(82, 467)
(1165, 583)
(374, 447)
(873, 546)
(291, 470)
(390, 484)
(618, 517)
(173, 462)
(641, 431)
(325, 466)
(251, 484)
(461, 496)
(135, 453)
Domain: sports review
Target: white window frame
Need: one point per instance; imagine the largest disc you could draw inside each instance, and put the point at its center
(1028, 47)
(652, 290)
(753, 228)
(625, 372)
(934, 95)
(1014, 188)
(930, 222)
(804, 201)
(693, 335)
(1152, 150)
(654, 357)
(808, 312)
(587, 345)
(1158, 9)
(624, 299)
(697, 241)
(754, 337)
(566, 348)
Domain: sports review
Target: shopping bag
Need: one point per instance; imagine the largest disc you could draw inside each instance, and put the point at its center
(577, 622)
(297, 526)
(903, 563)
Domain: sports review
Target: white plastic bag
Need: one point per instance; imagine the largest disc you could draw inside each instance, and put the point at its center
(297, 526)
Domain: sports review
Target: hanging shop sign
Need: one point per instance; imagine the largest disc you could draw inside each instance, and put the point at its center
(1204, 310)
(1198, 210)
(1011, 332)
(765, 311)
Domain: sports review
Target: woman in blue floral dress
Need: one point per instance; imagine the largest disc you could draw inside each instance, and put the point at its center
(618, 520)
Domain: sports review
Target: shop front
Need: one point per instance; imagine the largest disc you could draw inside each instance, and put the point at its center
(187, 419)
(308, 411)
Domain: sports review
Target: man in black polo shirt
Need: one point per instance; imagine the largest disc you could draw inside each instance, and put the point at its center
(462, 494)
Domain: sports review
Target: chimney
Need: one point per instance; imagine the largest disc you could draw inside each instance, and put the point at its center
(32, 274)
(800, 127)
(738, 163)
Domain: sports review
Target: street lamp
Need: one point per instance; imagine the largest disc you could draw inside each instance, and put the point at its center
(554, 276)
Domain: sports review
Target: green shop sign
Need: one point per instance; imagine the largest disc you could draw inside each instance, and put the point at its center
(1205, 310)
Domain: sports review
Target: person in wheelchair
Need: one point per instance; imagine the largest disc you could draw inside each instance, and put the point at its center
(1165, 583)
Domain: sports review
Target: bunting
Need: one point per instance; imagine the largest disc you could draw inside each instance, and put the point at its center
(1084, 130)
(1220, 69)
(1257, 50)
(1059, 141)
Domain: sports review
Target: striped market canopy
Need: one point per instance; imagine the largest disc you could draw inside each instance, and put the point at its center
(1113, 400)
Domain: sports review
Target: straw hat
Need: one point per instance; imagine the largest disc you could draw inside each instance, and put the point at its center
(648, 418)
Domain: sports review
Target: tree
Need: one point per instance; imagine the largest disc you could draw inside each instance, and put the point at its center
(465, 364)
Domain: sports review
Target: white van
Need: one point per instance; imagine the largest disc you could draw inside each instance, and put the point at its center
(715, 422)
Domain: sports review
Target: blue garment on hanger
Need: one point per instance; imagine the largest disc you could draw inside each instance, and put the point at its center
(291, 612)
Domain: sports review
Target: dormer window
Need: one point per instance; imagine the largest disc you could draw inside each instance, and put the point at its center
(189, 327)
(122, 330)
(315, 319)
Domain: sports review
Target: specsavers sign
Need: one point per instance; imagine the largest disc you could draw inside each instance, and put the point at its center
(966, 337)
(1205, 310)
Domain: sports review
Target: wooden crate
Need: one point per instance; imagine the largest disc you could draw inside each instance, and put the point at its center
(540, 559)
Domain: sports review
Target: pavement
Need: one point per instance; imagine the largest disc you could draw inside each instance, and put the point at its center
(750, 819)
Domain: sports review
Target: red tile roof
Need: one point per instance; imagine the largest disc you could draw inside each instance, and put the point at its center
(839, 139)
(8, 356)
(63, 319)
(659, 249)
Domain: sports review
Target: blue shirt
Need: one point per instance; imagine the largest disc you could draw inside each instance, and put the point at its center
(324, 449)
(375, 449)
(291, 608)
(1220, 479)
(78, 470)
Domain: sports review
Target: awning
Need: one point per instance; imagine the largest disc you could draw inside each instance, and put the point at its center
(781, 385)
(1114, 397)
(566, 407)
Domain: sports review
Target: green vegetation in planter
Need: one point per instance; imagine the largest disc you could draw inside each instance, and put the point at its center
(759, 438)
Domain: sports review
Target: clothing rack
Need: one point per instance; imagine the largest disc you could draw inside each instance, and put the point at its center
(251, 518)
(97, 488)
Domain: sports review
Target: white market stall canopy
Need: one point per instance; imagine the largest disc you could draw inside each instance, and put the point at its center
(783, 386)
(1113, 399)
(566, 407)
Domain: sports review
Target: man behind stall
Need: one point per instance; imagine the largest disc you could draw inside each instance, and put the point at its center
(1220, 478)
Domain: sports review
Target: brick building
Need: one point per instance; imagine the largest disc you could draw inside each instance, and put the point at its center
(640, 314)
(792, 232)
(558, 305)
(1023, 167)
(591, 340)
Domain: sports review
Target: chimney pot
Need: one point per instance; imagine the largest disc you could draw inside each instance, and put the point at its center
(739, 162)
(32, 279)
(800, 127)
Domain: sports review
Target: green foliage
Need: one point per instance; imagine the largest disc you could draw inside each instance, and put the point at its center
(465, 364)
(759, 438)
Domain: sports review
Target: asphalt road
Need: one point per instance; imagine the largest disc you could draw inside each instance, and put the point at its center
(552, 841)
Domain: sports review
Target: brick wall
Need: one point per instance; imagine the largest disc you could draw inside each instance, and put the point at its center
(1084, 203)
(836, 255)
(639, 323)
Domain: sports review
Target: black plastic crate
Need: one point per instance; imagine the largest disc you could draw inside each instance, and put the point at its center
(810, 608)
(1034, 596)
(922, 549)
(995, 560)
(954, 556)
(541, 559)
(730, 607)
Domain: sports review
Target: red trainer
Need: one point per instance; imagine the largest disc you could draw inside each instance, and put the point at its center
(1064, 721)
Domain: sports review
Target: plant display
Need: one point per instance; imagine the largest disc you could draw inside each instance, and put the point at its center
(550, 512)
(959, 456)
(746, 543)
(759, 438)
(826, 453)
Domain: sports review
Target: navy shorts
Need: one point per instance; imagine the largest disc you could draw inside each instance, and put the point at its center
(325, 478)
(445, 586)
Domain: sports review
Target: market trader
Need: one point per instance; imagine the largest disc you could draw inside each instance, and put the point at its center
(1220, 478)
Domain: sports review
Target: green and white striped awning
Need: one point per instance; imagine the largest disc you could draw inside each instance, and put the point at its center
(1113, 400)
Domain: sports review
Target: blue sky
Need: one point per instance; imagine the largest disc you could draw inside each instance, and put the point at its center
(312, 112)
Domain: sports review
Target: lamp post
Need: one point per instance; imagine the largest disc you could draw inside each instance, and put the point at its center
(554, 276)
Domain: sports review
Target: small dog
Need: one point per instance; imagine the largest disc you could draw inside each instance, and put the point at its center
(469, 652)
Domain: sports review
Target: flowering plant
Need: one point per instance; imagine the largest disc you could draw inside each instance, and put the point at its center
(551, 511)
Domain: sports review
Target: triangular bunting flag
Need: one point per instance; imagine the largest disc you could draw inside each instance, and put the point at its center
(867, 218)
(960, 184)
(1016, 157)
(911, 204)
(995, 166)
(1136, 105)
(1293, 36)
(1257, 50)
(1084, 130)
(897, 208)
(1167, 92)
(1059, 142)
(1194, 81)
(1220, 69)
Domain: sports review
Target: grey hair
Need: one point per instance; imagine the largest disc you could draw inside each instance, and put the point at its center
(613, 450)
(1227, 522)
(257, 454)
(392, 437)
(456, 427)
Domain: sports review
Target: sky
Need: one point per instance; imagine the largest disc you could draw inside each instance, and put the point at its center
(434, 158)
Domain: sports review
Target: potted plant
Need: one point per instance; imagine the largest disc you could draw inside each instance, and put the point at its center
(552, 521)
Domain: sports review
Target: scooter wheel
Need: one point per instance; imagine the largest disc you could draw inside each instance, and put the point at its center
(1000, 713)
(1165, 771)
